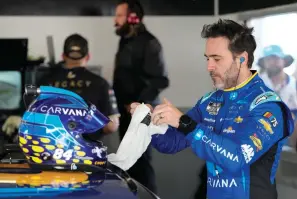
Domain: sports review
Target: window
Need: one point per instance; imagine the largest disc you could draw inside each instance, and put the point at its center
(276, 30)
(10, 90)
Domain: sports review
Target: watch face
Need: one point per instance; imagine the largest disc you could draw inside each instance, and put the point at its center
(186, 120)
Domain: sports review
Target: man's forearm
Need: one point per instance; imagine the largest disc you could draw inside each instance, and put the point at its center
(229, 153)
(113, 125)
(171, 142)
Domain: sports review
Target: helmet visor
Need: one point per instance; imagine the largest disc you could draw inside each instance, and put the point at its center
(94, 119)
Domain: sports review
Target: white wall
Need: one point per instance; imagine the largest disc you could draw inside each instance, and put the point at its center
(180, 37)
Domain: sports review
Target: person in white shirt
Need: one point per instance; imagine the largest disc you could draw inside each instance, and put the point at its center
(272, 65)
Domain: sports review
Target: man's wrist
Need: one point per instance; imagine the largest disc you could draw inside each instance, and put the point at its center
(186, 124)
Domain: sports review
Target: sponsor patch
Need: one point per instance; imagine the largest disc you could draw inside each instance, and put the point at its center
(213, 108)
(271, 118)
(248, 152)
(266, 126)
(238, 119)
(257, 142)
(229, 130)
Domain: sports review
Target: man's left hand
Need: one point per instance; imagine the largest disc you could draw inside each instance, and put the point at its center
(11, 124)
(166, 113)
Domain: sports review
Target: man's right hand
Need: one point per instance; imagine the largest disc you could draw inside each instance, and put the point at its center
(135, 104)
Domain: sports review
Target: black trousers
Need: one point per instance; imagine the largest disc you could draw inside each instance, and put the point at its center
(142, 170)
(202, 189)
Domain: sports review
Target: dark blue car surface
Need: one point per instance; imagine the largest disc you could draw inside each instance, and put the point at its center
(19, 180)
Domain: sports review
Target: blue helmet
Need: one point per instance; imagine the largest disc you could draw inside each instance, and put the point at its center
(54, 131)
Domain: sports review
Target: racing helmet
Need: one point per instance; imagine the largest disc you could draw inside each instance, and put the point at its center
(54, 131)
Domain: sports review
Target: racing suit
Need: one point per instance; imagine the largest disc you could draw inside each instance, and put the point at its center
(240, 133)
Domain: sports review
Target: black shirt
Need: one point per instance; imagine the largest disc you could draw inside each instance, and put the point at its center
(88, 85)
(140, 73)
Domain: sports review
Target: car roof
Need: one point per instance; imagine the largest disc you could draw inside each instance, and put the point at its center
(62, 184)
(20, 180)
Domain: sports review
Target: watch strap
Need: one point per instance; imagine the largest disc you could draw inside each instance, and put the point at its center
(186, 124)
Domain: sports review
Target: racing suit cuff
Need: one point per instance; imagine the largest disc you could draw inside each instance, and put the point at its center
(193, 135)
(155, 139)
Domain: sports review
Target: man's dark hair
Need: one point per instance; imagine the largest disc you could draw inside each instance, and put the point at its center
(76, 47)
(240, 37)
(134, 6)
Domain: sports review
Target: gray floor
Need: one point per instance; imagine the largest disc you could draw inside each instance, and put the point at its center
(177, 175)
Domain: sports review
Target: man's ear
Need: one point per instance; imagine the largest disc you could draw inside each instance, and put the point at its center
(243, 58)
(88, 57)
(63, 56)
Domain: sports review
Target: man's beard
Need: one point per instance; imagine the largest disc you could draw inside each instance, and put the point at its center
(274, 71)
(229, 79)
(124, 30)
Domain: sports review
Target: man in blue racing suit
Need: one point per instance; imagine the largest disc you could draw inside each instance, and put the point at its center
(239, 129)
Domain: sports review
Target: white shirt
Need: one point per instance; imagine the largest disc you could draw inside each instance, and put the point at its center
(286, 90)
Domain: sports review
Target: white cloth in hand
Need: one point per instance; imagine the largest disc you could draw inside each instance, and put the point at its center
(136, 139)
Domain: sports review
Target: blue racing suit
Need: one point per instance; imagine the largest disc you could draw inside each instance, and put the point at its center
(240, 133)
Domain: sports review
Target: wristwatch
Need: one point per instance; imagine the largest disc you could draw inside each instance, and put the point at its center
(186, 124)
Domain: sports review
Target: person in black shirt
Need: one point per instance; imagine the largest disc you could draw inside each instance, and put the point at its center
(139, 75)
(72, 74)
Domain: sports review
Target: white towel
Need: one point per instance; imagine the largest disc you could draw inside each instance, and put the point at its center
(136, 139)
